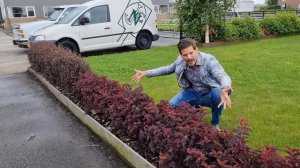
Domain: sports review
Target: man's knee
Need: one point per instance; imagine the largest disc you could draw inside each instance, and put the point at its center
(216, 94)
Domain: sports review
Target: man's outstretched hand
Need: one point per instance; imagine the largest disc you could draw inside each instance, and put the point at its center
(225, 99)
(138, 75)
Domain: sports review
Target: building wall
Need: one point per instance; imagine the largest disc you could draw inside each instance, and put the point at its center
(244, 6)
(160, 2)
(2, 11)
(38, 4)
(164, 9)
(294, 4)
(1, 18)
(164, 6)
(38, 7)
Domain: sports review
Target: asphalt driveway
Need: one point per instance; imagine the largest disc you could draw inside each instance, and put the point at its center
(35, 129)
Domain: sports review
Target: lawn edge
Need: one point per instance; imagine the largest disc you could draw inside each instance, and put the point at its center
(131, 157)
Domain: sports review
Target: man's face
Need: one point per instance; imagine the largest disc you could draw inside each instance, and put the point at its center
(189, 55)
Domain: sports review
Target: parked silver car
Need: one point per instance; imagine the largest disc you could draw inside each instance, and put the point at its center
(21, 32)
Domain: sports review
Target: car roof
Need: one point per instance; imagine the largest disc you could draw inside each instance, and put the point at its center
(67, 6)
(93, 2)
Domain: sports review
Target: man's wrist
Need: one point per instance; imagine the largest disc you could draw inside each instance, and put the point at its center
(227, 89)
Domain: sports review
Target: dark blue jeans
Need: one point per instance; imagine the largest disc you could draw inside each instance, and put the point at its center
(212, 100)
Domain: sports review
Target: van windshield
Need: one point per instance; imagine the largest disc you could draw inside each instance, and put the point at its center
(55, 14)
(70, 16)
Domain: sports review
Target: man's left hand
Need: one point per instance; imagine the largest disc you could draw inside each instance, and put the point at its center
(225, 99)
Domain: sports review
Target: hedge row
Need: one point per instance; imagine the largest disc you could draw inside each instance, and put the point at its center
(59, 66)
(248, 28)
(281, 23)
(173, 137)
(240, 28)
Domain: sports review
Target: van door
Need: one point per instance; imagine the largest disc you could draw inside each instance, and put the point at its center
(95, 29)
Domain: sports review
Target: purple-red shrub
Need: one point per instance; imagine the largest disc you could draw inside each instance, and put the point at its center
(176, 137)
(125, 108)
(268, 158)
(179, 137)
(59, 66)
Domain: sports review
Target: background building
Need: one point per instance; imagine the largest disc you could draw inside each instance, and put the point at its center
(164, 9)
(16, 11)
(289, 4)
(244, 6)
(19, 11)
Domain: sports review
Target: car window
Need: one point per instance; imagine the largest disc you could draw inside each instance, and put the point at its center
(55, 13)
(71, 15)
(98, 14)
(68, 11)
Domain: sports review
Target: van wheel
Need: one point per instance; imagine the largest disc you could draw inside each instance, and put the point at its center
(69, 45)
(143, 41)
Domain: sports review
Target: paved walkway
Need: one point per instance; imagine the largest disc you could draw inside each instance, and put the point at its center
(35, 129)
(12, 58)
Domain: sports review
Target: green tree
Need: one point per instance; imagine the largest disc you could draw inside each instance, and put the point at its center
(272, 2)
(271, 5)
(197, 15)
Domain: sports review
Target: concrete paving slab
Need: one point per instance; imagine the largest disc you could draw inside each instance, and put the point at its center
(12, 58)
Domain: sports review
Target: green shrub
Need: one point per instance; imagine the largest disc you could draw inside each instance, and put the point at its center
(241, 28)
(269, 25)
(247, 28)
(281, 23)
(231, 32)
(270, 7)
(223, 32)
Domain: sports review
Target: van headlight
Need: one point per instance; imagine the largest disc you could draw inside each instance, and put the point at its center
(22, 33)
(40, 38)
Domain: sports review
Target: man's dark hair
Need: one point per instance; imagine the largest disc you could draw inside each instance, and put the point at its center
(185, 43)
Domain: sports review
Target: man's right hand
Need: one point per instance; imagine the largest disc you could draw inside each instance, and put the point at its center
(138, 75)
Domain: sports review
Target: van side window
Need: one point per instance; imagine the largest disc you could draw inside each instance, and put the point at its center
(96, 15)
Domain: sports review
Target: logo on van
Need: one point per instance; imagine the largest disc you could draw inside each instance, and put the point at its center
(133, 19)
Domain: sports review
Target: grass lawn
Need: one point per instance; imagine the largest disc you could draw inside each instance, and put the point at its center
(266, 83)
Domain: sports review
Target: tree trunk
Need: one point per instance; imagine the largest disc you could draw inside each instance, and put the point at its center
(207, 34)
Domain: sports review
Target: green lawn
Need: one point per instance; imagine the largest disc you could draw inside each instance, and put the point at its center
(266, 83)
(167, 25)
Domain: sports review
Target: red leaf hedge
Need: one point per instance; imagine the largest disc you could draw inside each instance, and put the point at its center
(59, 66)
(173, 137)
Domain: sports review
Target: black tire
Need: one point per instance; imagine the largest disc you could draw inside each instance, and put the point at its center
(69, 45)
(143, 41)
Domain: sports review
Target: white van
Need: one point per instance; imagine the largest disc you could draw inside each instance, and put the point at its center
(103, 24)
(21, 32)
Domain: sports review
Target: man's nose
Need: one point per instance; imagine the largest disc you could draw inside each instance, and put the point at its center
(190, 56)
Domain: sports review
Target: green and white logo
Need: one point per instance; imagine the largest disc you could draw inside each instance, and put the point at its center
(134, 17)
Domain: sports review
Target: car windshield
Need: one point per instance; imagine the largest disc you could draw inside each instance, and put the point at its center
(55, 14)
(70, 16)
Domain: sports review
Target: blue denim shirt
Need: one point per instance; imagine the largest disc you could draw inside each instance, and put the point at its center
(210, 72)
(192, 75)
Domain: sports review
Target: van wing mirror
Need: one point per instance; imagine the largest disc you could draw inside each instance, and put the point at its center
(84, 20)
